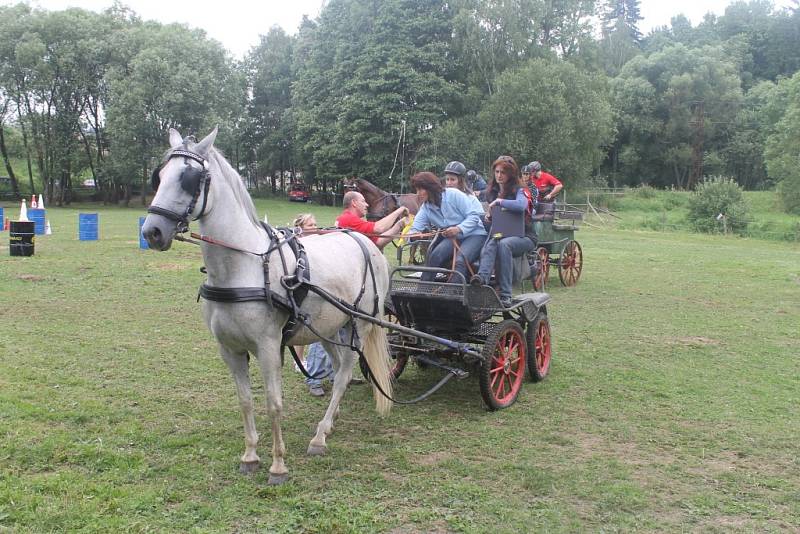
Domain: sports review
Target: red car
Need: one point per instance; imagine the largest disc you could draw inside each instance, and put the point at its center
(299, 193)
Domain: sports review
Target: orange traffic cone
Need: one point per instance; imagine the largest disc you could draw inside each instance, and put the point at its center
(33, 201)
(6, 224)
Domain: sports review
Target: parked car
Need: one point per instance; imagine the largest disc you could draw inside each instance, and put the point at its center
(299, 193)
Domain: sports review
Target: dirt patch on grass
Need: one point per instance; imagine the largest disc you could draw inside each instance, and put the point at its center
(170, 267)
(433, 458)
(30, 278)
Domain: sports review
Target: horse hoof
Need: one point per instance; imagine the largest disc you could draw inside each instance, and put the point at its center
(316, 450)
(248, 468)
(276, 480)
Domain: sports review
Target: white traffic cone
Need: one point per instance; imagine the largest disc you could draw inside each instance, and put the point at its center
(265, 219)
(47, 229)
(23, 212)
(33, 202)
(41, 202)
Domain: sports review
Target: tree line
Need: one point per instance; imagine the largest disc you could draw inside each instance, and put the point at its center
(384, 88)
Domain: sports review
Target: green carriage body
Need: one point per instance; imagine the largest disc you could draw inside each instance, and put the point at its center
(555, 228)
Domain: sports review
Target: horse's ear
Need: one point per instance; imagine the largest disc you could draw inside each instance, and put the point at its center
(203, 146)
(175, 139)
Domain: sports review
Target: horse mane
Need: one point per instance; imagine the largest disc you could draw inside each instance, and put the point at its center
(229, 174)
(369, 186)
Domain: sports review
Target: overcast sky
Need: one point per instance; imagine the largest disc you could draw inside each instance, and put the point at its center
(237, 24)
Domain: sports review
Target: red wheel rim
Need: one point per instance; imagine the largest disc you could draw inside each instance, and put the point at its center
(507, 367)
(570, 264)
(542, 348)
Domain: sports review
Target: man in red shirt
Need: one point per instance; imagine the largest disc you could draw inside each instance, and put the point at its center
(547, 184)
(355, 208)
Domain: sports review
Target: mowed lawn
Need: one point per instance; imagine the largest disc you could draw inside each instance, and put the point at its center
(673, 402)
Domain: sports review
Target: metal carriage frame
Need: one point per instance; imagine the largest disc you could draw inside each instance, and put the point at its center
(462, 329)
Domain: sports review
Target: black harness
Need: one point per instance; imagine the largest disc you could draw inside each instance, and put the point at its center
(193, 181)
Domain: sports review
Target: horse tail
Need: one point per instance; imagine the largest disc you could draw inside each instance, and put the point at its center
(376, 351)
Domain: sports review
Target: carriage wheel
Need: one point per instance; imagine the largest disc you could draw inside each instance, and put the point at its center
(570, 264)
(503, 370)
(539, 347)
(544, 269)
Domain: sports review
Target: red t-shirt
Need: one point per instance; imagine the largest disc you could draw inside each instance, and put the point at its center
(545, 183)
(352, 221)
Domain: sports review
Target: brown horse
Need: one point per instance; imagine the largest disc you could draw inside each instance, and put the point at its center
(379, 201)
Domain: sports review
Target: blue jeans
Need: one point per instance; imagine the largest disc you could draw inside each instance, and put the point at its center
(318, 364)
(440, 254)
(498, 255)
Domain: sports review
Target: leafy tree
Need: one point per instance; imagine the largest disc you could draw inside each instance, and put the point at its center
(270, 132)
(551, 112)
(782, 153)
(620, 33)
(662, 103)
(372, 65)
(175, 78)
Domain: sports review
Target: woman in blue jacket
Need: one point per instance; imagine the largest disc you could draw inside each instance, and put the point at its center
(458, 218)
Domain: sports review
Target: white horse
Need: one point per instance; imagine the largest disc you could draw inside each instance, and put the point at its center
(196, 181)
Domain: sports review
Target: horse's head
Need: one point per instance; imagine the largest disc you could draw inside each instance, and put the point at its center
(182, 184)
(350, 184)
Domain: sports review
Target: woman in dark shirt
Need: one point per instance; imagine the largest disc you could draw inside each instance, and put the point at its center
(506, 190)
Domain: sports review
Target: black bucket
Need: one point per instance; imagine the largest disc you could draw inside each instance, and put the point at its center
(21, 234)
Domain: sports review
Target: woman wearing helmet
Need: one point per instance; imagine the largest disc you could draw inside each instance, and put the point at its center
(506, 190)
(454, 174)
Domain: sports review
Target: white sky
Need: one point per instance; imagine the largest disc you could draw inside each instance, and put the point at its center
(237, 24)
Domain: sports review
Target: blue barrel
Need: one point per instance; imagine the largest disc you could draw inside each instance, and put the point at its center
(87, 226)
(142, 240)
(38, 217)
(2, 219)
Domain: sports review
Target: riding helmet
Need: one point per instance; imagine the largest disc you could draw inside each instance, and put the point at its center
(455, 167)
(534, 166)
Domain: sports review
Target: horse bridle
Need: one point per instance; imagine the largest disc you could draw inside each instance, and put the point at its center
(193, 181)
(384, 200)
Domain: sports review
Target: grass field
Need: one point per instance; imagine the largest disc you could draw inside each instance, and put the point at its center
(673, 403)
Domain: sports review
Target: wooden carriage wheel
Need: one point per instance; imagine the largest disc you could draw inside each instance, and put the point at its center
(503, 371)
(539, 347)
(544, 269)
(570, 264)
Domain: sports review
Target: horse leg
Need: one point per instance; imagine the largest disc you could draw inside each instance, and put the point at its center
(269, 361)
(237, 362)
(343, 359)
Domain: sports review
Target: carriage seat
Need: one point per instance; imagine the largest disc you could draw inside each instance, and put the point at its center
(544, 211)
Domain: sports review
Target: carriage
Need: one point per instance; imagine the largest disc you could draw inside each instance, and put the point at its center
(462, 329)
(555, 225)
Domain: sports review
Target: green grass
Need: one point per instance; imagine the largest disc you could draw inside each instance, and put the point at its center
(673, 402)
(646, 208)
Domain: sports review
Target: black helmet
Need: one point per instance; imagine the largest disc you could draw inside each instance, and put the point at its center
(526, 169)
(455, 167)
(471, 176)
(534, 166)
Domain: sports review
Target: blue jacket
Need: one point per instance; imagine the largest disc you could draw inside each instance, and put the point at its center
(457, 209)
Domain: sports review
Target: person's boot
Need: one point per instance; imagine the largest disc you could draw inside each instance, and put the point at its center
(316, 391)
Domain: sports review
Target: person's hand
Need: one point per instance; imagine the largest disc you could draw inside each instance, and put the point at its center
(548, 197)
(453, 231)
(495, 202)
(476, 193)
